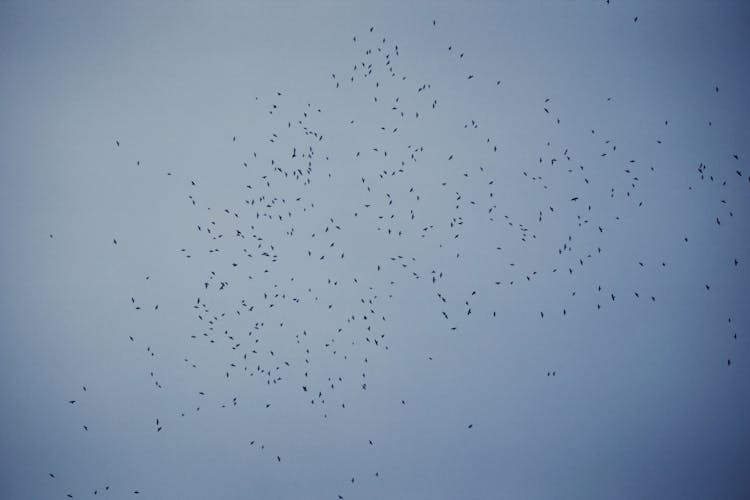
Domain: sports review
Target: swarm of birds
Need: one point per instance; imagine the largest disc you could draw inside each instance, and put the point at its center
(382, 212)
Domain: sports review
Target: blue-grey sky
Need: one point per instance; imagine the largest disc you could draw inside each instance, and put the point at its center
(441, 250)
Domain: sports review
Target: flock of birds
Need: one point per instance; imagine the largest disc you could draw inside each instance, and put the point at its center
(312, 202)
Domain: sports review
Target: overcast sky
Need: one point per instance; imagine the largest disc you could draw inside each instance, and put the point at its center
(447, 250)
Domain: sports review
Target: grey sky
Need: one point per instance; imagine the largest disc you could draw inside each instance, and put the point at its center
(643, 402)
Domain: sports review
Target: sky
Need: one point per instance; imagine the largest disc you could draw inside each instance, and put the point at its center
(366, 250)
